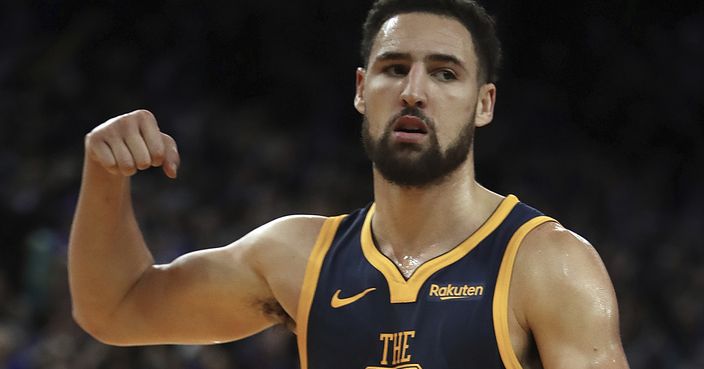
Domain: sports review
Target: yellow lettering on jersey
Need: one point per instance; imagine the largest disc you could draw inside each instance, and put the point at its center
(386, 337)
(397, 345)
(450, 292)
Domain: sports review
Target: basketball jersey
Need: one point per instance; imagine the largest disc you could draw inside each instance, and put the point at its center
(356, 310)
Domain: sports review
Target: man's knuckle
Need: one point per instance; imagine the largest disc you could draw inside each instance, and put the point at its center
(144, 164)
(144, 115)
(158, 155)
(90, 139)
(94, 141)
(128, 126)
(167, 138)
(125, 163)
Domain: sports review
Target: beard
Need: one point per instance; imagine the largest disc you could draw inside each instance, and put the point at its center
(408, 164)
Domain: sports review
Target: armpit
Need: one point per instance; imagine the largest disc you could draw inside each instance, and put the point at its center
(276, 312)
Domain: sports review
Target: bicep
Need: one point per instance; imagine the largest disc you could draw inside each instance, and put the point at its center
(571, 306)
(580, 329)
(207, 296)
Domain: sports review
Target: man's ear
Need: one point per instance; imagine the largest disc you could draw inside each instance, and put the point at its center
(484, 112)
(359, 94)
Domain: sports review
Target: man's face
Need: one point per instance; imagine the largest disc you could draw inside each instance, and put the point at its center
(420, 98)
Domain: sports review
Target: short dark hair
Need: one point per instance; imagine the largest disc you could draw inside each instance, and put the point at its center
(473, 16)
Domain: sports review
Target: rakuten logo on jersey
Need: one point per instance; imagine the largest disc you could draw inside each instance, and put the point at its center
(443, 292)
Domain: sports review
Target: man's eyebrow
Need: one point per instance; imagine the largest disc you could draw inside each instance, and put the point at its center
(392, 55)
(444, 58)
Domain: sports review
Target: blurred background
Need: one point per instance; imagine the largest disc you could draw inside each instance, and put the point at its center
(599, 123)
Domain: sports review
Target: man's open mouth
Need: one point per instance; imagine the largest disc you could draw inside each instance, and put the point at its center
(410, 124)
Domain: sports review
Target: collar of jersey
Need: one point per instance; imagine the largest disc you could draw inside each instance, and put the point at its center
(405, 291)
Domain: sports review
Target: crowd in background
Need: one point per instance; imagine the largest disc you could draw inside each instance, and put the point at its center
(599, 123)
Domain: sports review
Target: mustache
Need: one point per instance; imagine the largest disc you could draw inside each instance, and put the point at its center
(411, 111)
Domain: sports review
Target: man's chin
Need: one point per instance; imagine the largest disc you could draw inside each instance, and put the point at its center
(408, 173)
(406, 148)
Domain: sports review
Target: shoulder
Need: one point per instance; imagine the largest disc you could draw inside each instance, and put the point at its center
(558, 273)
(562, 296)
(553, 251)
(283, 243)
(553, 247)
(293, 232)
(286, 230)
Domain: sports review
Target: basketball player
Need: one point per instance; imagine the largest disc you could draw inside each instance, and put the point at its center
(439, 273)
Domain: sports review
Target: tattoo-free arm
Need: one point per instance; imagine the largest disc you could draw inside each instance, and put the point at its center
(567, 301)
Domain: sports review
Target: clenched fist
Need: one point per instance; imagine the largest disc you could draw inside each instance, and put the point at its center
(131, 142)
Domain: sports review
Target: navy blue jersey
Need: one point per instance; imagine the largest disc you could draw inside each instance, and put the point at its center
(357, 311)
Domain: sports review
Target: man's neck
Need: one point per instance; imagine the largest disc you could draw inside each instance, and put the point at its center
(422, 223)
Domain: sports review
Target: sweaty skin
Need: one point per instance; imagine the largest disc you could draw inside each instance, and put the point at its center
(562, 307)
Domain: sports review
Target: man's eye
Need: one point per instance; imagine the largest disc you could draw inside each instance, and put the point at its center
(396, 70)
(445, 75)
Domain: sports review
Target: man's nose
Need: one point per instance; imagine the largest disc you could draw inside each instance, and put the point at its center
(414, 93)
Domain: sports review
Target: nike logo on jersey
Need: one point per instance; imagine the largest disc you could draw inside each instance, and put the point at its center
(338, 302)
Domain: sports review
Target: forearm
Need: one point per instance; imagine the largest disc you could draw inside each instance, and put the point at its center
(107, 253)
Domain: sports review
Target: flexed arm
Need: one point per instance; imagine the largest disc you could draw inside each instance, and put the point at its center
(107, 253)
(118, 295)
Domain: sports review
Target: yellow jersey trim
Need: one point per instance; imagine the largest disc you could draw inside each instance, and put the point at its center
(503, 282)
(404, 291)
(310, 281)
